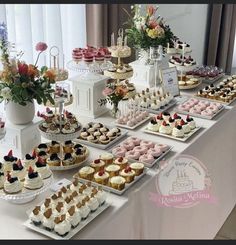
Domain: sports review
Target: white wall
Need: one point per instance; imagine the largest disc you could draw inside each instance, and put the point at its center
(188, 22)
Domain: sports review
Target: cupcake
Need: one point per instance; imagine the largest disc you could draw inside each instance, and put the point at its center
(30, 160)
(101, 177)
(79, 155)
(68, 159)
(43, 169)
(53, 160)
(86, 173)
(18, 171)
(104, 130)
(36, 216)
(92, 139)
(128, 173)
(178, 131)
(81, 147)
(84, 134)
(33, 180)
(97, 164)
(48, 220)
(137, 167)
(117, 182)
(98, 125)
(54, 147)
(42, 147)
(111, 135)
(113, 170)
(73, 216)
(92, 203)
(116, 130)
(43, 155)
(104, 139)
(8, 162)
(12, 185)
(122, 162)
(68, 146)
(107, 158)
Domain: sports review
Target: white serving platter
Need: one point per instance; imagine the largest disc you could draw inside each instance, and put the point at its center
(110, 189)
(213, 80)
(183, 139)
(155, 160)
(102, 146)
(52, 234)
(162, 109)
(199, 115)
(186, 87)
(135, 126)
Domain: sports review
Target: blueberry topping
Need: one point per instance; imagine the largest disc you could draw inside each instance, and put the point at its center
(90, 125)
(206, 88)
(9, 159)
(0, 165)
(42, 153)
(78, 146)
(212, 85)
(68, 142)
(171, 120)
(54, 142)
(83, 129)
(1, 174)
(78, 151)
(16, 167)
(54, 157)
(40, 164)
(153, 121)
(42, 146)
(13, 179)
(179, 127)
(28, 157)
(200, 91)
(33, 175)
(166, 114)
(67, 156)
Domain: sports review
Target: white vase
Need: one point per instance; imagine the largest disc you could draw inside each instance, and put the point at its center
(143, 56)
(18, 114)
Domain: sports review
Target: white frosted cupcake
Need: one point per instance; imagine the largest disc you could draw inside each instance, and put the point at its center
(117, 182)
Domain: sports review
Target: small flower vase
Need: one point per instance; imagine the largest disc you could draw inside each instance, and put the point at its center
(19, 114)
(115, 112)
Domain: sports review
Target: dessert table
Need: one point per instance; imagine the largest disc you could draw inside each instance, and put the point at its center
(133, 215)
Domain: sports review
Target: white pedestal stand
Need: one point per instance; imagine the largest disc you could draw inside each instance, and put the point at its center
(144, 75)
(21, 138)
(87, 90)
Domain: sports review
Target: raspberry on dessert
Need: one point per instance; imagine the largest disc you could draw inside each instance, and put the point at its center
(97, 161)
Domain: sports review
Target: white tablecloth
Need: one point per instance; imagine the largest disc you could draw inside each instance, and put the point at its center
(133, 215)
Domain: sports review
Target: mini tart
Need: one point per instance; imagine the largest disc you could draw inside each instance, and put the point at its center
(53, 160)
(101, 177)
(138, 167)
(113, 170)
(104, 139)
(84, 135)
(107, 158)
(97, 164)
(79, 155)
(68, 146)
(111, 135)
(54, 147)
(116, 130)
(68, 159)
(92, 139)
(86, 173)
(117, 182)
(122, 162)
(128, 174)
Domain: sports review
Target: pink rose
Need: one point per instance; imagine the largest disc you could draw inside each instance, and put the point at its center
(150, 10)
(107, 91)
(41, 46)
(153, 24)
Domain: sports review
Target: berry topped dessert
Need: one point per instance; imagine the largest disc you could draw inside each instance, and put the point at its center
(33, 180)
(9, 160)
(12, 185)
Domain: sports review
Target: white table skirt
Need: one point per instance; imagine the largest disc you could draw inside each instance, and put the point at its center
(133, 215)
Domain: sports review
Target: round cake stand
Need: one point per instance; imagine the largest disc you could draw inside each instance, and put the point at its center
(27, 195)
(89, 70)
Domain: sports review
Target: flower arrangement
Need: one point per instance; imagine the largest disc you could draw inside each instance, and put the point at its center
(148, 30)
(113, 93)
(21, 82)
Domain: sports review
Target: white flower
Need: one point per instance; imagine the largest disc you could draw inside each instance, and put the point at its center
(6, 93)
(132, 6)
(140, 23)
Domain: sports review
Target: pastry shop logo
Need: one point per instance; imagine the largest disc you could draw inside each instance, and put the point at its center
(183, 182)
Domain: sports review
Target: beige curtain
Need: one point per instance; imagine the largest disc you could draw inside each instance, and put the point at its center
(104, 19)
(221, 36)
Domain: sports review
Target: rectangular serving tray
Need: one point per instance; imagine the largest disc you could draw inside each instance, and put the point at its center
(52, 234)
(198, 115)
(163, 109)
(110, 189)
(135, 126)
(154, 162)
(187, 136)
(103, 146)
